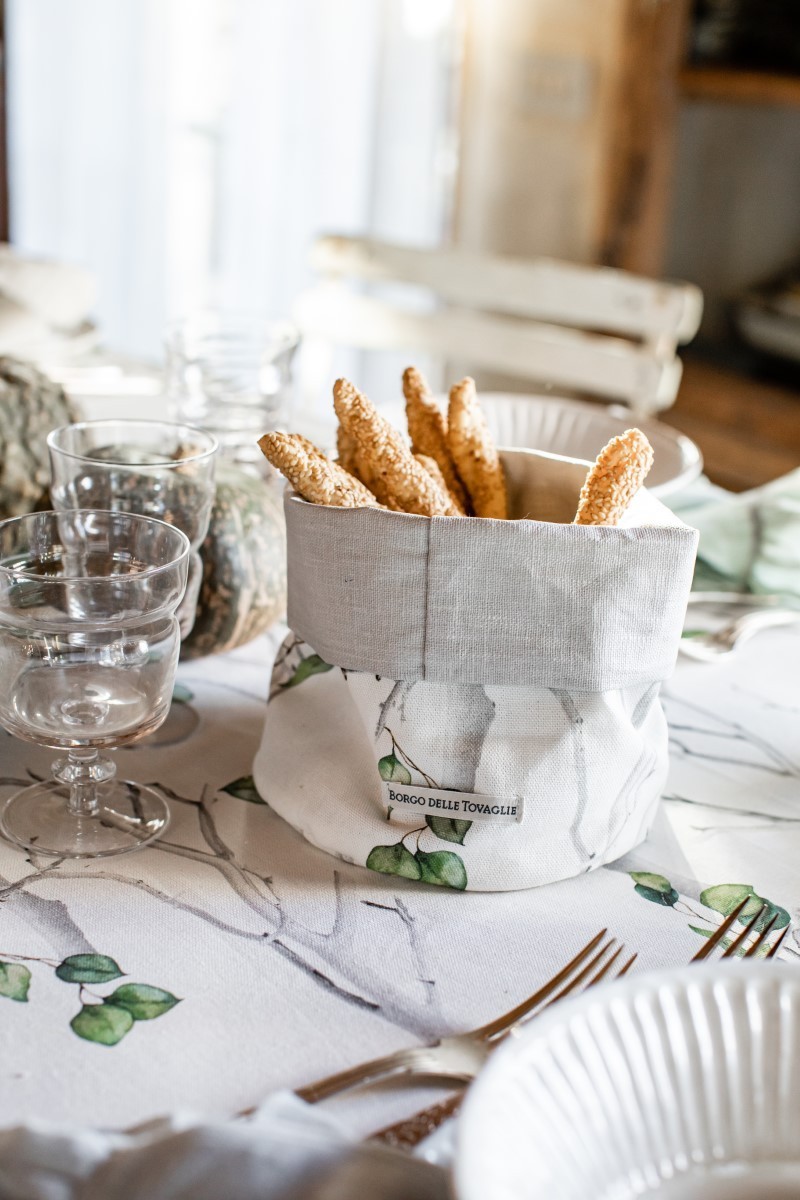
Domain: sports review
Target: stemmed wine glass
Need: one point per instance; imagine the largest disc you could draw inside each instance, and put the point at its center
(153, 468)
(89, 643)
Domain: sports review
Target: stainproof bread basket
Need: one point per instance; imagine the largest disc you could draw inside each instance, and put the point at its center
(474, 703)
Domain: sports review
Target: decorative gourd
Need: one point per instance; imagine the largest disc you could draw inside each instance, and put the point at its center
(244, 565)
(30, 406)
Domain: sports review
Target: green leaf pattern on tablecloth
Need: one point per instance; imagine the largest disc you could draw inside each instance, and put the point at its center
(142, 1001)
(721, 898)
(243, 788)
(655, 888)
(724, 897)
(105, 1024)
(88, 968)
(104, 1020)
(15, 979)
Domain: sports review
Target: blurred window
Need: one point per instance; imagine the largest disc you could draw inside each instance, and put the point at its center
(187, 151)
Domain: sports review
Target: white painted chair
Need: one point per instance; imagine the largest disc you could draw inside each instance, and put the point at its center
(575, 329)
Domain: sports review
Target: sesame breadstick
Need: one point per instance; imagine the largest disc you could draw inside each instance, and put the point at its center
(355, 476)
(427, 429)
(433, 469)
(353, 462)
(474, 453)
(346, 451)
(614, 479)
(312, 475)
(398, 478)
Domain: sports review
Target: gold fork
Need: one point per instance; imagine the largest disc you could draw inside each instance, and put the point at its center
(741, 938)
(460, 1056)
(404, 1135)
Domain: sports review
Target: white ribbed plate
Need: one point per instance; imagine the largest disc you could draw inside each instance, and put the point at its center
(678, 1084)
(577, 429)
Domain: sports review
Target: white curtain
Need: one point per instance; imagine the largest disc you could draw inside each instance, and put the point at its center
(187, 151)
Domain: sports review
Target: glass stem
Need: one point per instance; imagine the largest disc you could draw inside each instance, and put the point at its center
(82, 771)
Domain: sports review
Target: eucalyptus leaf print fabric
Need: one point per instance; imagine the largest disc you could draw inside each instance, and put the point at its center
(459, 786)
(104, 1017)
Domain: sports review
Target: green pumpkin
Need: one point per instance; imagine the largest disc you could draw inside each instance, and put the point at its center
(244, 565)
(30, 406)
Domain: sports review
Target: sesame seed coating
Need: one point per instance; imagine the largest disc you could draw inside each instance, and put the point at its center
(615, 478)
(474, 453)
(433, 469)
(397, 477)
(427, 428)
(312, 475)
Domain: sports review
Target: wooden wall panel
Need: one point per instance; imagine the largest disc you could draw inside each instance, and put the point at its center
(568, 108)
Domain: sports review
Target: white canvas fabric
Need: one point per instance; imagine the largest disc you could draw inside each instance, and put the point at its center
(478, 706)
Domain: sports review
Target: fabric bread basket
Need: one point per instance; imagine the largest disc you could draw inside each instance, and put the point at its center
(475, 703)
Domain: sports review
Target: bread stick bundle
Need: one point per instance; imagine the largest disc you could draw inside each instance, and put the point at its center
(399, 481)
(427, 428)
(452, 467)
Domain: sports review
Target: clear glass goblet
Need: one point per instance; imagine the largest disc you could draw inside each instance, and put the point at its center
(153, 468)
(89, 643)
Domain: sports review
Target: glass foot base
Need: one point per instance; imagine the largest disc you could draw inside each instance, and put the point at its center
(129, 816)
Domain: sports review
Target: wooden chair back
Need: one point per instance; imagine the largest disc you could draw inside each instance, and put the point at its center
(580, 330)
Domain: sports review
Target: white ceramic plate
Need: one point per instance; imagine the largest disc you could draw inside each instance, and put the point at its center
(580, 430)
(679, 1084)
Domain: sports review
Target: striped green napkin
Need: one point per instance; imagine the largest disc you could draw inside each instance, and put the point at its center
(748, 542)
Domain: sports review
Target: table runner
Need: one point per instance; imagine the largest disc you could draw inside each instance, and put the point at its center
(288, 964)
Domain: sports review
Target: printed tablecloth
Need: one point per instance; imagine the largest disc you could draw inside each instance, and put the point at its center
(268, 963)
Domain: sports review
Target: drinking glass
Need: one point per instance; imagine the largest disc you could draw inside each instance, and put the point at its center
(154, 468)
(89, 644)
(230, 373)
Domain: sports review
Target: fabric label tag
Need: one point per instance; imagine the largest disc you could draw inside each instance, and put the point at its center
(409, 800)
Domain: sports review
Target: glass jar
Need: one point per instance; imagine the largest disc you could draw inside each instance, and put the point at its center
(230, 374)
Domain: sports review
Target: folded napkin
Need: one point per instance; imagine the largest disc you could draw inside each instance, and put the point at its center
(288, 1150)
(749, 542)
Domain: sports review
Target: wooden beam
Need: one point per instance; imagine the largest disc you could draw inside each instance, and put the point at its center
(727, 85)
(642, 149)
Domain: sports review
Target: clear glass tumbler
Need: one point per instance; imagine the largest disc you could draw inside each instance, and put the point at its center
(230, 373)
(153, 468)
(89, 644)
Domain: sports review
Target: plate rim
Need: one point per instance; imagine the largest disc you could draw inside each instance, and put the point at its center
(689, 450)
(468, 1131)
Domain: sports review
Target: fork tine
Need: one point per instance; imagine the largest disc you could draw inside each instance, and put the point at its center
(601, 974)
(409, 1133)
(516, 1014)
(606, 967)
(774, 949)
(574, 983)
(752, 951)
(627, 966)
(745, 934)
(719, 934)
